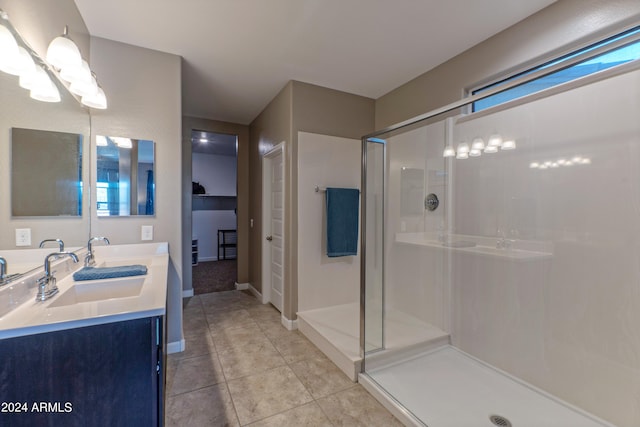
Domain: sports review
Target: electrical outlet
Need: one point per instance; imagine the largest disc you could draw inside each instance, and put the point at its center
(23, 237)
(147, 232)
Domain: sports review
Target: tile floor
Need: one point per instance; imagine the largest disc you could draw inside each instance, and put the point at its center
(241, 367)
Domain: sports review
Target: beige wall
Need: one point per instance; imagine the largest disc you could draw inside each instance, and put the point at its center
(143, 89)
(298, 107)
(242, 131)
(561, 26)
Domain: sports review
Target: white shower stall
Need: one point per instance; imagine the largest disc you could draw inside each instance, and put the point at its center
(515, 301)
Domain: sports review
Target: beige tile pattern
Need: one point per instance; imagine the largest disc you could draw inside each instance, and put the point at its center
(242, 367)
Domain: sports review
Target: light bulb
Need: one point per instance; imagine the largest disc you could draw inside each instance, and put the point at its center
(101, 141)
(21, 63)
(63, 52)
(449, 151)
(81, 74)
(98, 101)
(508, 145)
(475, 152)
(42, 88)
(122, 142)
(495, 140)
(8, 44)
(534, 165)
(82, 89)
(463, 147)
(490, 149)
(462, 156)
(477, 144)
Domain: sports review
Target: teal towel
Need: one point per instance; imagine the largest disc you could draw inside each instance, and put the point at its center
(342, 221)
(97, 273)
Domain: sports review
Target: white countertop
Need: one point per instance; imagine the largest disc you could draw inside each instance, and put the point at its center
(34, 317)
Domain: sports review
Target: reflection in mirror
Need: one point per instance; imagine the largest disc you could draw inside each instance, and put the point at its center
(46, 173)
(412, 191)
(125, 182)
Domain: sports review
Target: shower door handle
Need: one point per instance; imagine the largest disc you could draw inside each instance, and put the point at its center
(269, 238)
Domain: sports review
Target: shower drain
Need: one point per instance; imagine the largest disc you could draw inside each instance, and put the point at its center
(500, 421)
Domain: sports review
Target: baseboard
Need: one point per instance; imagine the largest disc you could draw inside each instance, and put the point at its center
(175, 347)
(291, 325)
(255, 293)
(187, 293)
(242, 286)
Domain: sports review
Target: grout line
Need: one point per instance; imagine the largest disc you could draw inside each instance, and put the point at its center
(272, 341)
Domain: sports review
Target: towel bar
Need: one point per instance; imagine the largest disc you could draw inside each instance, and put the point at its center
(322, 190)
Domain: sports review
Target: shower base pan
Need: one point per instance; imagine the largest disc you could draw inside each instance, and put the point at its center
(335, 331)
(446, 387)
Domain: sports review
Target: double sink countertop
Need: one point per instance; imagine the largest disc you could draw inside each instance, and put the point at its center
(92, 302)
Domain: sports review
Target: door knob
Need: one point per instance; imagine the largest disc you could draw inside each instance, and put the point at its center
(269, 238)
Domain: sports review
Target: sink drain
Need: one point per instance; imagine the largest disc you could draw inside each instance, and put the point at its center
(500, 421)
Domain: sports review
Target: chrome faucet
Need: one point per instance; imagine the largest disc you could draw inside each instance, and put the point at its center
(47, 284)
(503, 242)
(89, 260)
(58, 241)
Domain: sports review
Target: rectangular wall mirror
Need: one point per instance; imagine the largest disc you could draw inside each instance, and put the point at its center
(125, 181)
(46, 173)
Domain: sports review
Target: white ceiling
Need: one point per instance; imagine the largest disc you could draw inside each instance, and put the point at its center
(238, 54)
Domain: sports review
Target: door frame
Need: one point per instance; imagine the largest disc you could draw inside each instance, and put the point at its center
(266, 221)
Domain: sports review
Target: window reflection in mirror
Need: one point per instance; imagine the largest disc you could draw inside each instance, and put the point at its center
(46, 173)
(125, 182)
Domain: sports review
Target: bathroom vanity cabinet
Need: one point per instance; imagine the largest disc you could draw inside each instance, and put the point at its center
(109, 374)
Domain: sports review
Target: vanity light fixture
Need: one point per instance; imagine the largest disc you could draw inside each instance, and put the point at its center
(490, 149)
(478, 147)
(21, 63)
(122, 142)
(495, 140)
(561, 162)
(449, 151)
(63, 52)
(80, 74)
(508, 145)
(81, 88)
(42, 88)
(477, 144)
(463, 148)
(98, 100)
(8, 46)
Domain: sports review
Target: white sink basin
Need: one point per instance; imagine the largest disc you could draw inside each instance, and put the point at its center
(88, 291)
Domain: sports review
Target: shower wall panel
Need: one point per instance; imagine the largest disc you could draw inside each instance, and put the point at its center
(568, 321)
(324, 161)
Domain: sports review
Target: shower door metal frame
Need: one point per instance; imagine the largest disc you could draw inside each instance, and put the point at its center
(363, 254)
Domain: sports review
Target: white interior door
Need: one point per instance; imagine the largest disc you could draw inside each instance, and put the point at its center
(273, 228)
(277, 240)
